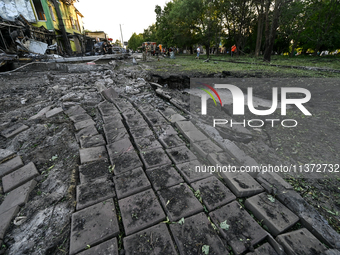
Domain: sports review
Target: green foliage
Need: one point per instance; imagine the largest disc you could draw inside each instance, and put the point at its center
(135, 41)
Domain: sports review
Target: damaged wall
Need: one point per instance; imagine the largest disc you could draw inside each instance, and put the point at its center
(10, 9)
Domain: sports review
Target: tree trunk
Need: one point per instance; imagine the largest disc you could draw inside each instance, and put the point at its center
(259, 30)
(207, 47)
(62, 28)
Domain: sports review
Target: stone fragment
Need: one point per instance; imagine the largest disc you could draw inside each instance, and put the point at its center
(10, 165)
(19, 177)
(54, 112)
(14, 130)
(41, 113)
(110, 95)
(4, 154)
(81, 117)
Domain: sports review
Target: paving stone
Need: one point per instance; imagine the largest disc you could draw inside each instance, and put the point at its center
(93, 225)
(274, 215)
(92, 193)
(10, 165)
(140, 211)
(300, 242)
(180, 155)
(41, 113)
(203, 148)
(120, 147)
(176, 118)
(195, 136)
(92, 141)
(155, 119)
(110, 95)
(14, 130)
(75, 110)
(136, 122)
(179, 202)
(156, 239)
(4, 154)
(125, 162)
(195, 232)
(141, 132)
(147, 143)
(190, 172)
(222, 159)
(213, 192)
(131, 182)
(243, 231)
(86, 132)
(81, 117)
(131, 113)
(263, 250)
(83, 124)
(241, 184)
(109, 247)
(107, 109)
(328, 252)
(54, 112)
(19, 177)
(17, 197)
(154, 158)
(115, 120)
(171, 141)
(6, 218)
(93, 170)
(164, 130)
(92, 154)
(113, 134)
(273, 183)
(168, 112)
(123, 104)
(185, 126)
(163, 177)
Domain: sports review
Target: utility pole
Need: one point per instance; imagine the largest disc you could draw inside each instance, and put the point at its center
(62, 28)
(120, 25)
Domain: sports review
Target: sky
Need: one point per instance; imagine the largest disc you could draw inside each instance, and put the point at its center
(106, 15)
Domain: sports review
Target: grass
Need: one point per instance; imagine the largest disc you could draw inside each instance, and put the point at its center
(250, 66)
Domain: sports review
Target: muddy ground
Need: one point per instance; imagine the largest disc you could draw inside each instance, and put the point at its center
(51, 145)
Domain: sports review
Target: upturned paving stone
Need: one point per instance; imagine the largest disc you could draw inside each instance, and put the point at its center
(179, 202)
(4, 154)
(203, 148)
(93, 225)
(41, 113)
(264, 249)
(136, 122)
(273, 183)
(54, 112)
(300, 242)
(154, 158)
(194, 136)
(193, 233)
(147, 143)
(123, 104)
(213, 192)
(92, 154)
(92, 141)
(93, 170)
(271, 212)
(164, 177)
(241, 184)
(156, 239)
(164, 130)
(19, 177)
(109, 247)
(141, 132)
(107, 109)
(110, 94)
(181, 155)
(10, 165)
(125, 162)
(81, 117)
(131, 182)
(6, 218)
(171, 141)
(140, 211)
(239, 228)
(155, 119)
(175, 118)
(75, 110)
(84, 124)
(17, 197)
(92, 193)
(185, 126)
(113, 134)
(190, 171)
(86, 132)
(14, 130)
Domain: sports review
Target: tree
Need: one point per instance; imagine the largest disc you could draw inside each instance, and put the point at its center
(118, 43)
(135, 41)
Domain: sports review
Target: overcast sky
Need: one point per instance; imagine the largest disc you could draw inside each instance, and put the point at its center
(106, 15)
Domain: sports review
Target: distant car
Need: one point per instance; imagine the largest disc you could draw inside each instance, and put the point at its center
(116, 50)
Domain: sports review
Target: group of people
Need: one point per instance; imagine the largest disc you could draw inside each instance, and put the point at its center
(233, 51)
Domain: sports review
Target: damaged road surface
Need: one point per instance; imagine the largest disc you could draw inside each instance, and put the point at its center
(100, 159)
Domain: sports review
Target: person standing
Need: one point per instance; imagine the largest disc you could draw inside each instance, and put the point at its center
(198, 53)
(233, 50)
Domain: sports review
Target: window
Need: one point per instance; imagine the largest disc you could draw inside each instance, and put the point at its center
(39, 10)
(51, 12)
